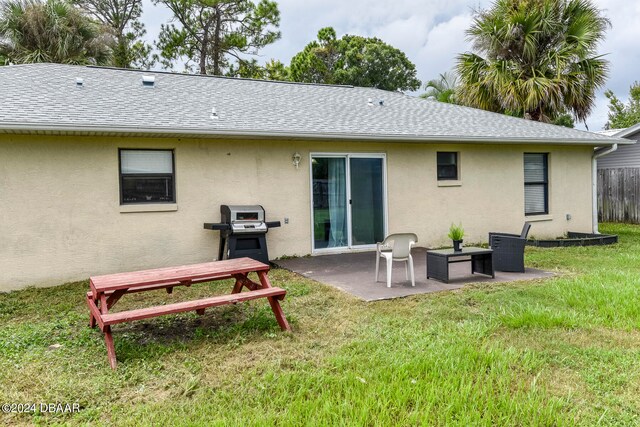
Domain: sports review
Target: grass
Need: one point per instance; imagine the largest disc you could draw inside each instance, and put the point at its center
(561, 351)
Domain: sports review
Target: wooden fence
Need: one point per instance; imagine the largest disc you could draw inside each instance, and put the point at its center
(619, 195)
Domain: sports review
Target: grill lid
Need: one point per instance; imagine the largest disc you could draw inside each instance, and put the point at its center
(241, 219)
(234, 213)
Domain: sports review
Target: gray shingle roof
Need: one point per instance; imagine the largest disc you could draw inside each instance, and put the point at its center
(45, 98)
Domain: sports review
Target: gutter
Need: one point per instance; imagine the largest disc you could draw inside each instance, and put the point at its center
(599, 152)
(27, 128)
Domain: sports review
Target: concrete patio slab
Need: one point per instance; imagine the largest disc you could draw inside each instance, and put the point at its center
(354, 273)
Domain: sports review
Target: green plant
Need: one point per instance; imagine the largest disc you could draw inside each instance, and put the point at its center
(54, 31)
(353, 60)
(456, 232)
(534, 59)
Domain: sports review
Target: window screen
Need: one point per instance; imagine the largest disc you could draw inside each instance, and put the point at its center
(447, 165)
(147, 176)
(536, 185)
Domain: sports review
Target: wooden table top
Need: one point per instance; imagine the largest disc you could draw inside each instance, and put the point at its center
(184, 273)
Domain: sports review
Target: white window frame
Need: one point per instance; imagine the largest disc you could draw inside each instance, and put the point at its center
(347, 156)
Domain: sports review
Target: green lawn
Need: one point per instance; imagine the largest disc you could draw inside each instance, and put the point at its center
(560, 351)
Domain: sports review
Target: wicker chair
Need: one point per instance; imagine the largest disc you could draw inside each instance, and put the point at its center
(508, 249)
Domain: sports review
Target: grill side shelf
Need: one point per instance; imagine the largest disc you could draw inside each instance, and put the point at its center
(216, 226)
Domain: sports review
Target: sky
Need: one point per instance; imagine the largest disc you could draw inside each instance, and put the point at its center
(431, 33)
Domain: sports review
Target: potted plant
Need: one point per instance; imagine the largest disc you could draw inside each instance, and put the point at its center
(456, 233)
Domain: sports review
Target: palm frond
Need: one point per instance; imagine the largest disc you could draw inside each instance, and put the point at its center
(51, 31)
(538, 57)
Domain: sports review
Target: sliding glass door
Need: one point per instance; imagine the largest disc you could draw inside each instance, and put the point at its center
(329, 202)
(367, 201)
(348, 195)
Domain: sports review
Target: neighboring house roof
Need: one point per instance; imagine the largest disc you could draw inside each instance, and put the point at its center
(622, 133)
(628, 132)
(609, 132)
(44, 98)
(627, 156)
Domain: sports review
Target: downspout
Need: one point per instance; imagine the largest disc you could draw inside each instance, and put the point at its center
(594, 182)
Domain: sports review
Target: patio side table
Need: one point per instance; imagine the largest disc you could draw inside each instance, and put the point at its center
(438, 262)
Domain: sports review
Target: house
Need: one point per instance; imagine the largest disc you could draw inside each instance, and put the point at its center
(618, 184)
(625, 156)
(106, 170)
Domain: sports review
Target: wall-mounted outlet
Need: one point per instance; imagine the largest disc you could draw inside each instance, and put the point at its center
(286, 220)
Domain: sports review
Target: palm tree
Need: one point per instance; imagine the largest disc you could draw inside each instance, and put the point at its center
(52, 31)
(442, 89)
(535, 58)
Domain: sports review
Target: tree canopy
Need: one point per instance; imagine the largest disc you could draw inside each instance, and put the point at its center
(535, 58)
(122, 18)
(442, 89)
(353, 60)
(446, 88)
(51, 31)
(564, 119)
(213, 33)
(620, 115)
(272, 70)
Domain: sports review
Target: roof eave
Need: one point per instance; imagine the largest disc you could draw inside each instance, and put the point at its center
(628, 131)
(28, 128)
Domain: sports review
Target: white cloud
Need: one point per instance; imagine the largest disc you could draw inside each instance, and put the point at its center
(153, 16)
(404, 24)
(444, 42)
(621, 47)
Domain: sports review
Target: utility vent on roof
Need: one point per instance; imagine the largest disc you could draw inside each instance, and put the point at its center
(79, 81)
(148, 81)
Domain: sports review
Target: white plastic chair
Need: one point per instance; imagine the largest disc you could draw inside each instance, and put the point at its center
(396, 247)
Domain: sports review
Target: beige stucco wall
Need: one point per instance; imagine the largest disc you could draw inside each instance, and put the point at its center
(60, 218)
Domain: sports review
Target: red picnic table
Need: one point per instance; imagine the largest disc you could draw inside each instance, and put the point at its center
(106, 290)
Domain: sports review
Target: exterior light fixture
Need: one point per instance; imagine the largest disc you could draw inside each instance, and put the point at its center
(295, 159)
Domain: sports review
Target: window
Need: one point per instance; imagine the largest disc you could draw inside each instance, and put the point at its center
(447, 166)
(536, 184)
(147, 176)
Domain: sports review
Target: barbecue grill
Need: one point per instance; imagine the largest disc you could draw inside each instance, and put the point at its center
(242, 232)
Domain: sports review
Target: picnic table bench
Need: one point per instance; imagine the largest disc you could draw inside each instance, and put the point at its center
(106, 290)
